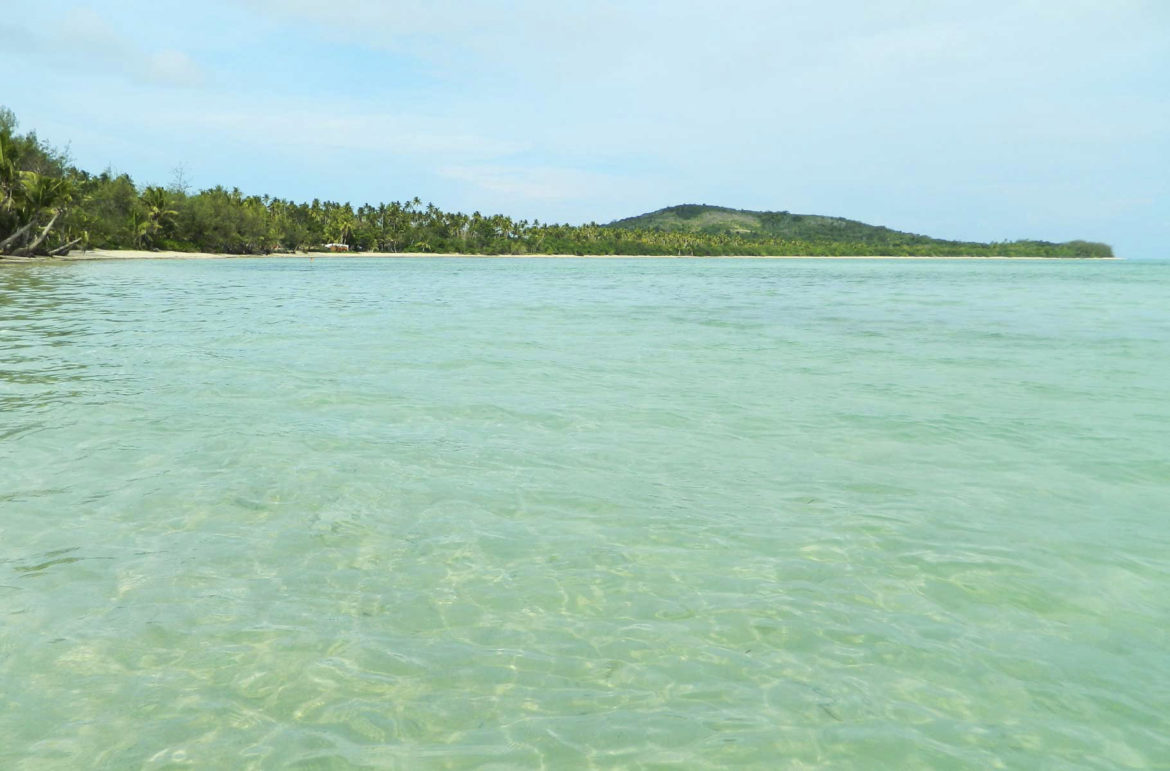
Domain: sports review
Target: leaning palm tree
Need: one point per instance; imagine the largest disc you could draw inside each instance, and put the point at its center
(35, 199)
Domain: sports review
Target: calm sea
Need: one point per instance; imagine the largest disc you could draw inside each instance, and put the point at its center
(358, 513)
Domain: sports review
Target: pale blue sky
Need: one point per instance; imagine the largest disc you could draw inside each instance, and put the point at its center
(964, 119)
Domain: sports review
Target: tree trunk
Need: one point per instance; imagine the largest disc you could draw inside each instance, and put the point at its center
(12, 239)
(28, 250)
(60, 250)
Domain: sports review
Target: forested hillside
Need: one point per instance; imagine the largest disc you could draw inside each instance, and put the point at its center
(831, 233)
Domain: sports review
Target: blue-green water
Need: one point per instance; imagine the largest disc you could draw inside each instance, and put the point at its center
(585, 513)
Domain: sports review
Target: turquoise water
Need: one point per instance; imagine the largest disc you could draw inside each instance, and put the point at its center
(585, 513)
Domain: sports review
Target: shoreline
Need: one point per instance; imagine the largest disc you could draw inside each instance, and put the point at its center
(140, 254)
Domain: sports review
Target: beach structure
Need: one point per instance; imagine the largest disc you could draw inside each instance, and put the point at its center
(337, 247)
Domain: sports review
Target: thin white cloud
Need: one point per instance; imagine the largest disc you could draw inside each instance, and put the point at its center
(323, 125)
(534, 183)
(83, 39)
(172, 68)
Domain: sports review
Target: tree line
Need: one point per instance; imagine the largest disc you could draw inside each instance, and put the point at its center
(48, 207)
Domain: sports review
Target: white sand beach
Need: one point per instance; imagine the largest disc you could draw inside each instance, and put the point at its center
(140, 254)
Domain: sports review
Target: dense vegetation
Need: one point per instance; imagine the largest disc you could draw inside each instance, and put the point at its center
(832, 235)
(48, 206)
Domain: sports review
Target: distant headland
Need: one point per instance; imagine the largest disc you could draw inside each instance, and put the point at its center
(49, 207)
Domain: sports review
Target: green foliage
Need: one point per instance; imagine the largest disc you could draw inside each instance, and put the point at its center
(47, 205)
(36, 190)
(776, 233)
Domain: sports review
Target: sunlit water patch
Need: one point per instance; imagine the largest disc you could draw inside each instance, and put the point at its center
(573, 513)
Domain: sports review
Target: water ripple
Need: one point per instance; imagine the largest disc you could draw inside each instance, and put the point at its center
(645, 514)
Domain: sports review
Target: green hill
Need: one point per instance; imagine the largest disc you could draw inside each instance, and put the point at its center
(768, 226)
(713, 220)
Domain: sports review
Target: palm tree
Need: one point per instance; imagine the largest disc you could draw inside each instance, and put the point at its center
(34, 197)
(8, 173)
(139, 227)
(340, 224)
(159, 215)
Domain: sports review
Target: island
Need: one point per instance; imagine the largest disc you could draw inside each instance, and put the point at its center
(49, 207)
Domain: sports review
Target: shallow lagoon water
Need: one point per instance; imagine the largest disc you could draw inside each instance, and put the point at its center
(505, 513)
